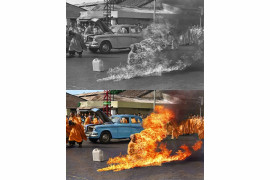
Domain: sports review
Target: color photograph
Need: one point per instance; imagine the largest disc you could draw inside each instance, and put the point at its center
(115, 134)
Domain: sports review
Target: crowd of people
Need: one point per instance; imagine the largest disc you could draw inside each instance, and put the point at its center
(75, 123)
(74, 40)
(76, 37)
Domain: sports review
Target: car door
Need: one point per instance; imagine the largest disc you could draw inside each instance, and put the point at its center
(124, 129)
(124, 38)
(136, 126)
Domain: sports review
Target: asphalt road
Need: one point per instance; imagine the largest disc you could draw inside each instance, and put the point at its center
(79, 163)
(80, 75)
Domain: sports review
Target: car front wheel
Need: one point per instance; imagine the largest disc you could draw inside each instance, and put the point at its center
(105, 137)
(105, 47)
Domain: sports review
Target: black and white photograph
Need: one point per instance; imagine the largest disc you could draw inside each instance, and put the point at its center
(135, 44)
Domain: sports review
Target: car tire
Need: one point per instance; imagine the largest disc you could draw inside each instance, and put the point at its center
(93, 140)
(105, 47)
(93, 50)
(105, 137)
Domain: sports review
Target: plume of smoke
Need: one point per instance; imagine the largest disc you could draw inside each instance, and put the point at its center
(186, 103)
(158, 53)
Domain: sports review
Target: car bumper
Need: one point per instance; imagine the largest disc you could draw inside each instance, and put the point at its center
(93, 46)
(93, 135)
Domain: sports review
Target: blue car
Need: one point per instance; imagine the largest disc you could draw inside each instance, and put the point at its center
(115, 127)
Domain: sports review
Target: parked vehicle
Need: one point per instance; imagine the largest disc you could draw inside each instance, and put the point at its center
(115, 37)
(115, 127)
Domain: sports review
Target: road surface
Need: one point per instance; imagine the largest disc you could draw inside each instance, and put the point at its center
(80, 75)
(79, 163)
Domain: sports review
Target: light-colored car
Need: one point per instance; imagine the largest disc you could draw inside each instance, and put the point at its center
(115, 37)
(116, 127)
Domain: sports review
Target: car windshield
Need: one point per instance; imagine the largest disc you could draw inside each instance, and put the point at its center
(115, 119)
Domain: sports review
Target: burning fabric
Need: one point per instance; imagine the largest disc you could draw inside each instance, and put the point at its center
(145, 148)
(154, 55)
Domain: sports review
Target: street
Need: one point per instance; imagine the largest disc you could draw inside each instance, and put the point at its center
(80, 165)
(80, 75)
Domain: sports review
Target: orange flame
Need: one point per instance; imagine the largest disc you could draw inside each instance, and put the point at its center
(142, 149)
(194, 125)
(197, 145)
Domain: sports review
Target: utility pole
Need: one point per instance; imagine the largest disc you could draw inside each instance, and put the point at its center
(201, 15)
(201, 104)
(154, 15)
(154, 104)
(107, 102)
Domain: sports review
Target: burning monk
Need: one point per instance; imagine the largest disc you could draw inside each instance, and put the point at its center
(134, 148)
(133, 57)
(131, 151)
(77, 132)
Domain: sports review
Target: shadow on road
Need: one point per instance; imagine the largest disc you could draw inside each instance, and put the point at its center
(120, 51)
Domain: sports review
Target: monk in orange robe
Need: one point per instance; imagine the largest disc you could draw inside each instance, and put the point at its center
(68, 129)
(77, 131)
(95, 120)
(87, 119)
(79, 118)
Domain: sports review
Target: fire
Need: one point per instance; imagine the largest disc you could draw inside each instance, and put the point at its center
(145, 148)
(159, 53)
(197, 146)
(194, 125)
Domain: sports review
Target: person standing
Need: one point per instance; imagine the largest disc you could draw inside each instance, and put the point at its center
(89, 29)
(80, 29)
(68, 129)
(83, 118)
(87, 119)
(79, 118)
(74, 28)
(77, 131)
(76, 44)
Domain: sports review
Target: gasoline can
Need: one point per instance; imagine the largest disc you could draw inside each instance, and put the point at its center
(98, 65)
(98, 155)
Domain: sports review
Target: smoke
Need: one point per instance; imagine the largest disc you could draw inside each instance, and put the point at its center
(170, 44)
(185, 3)
(186, 103)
